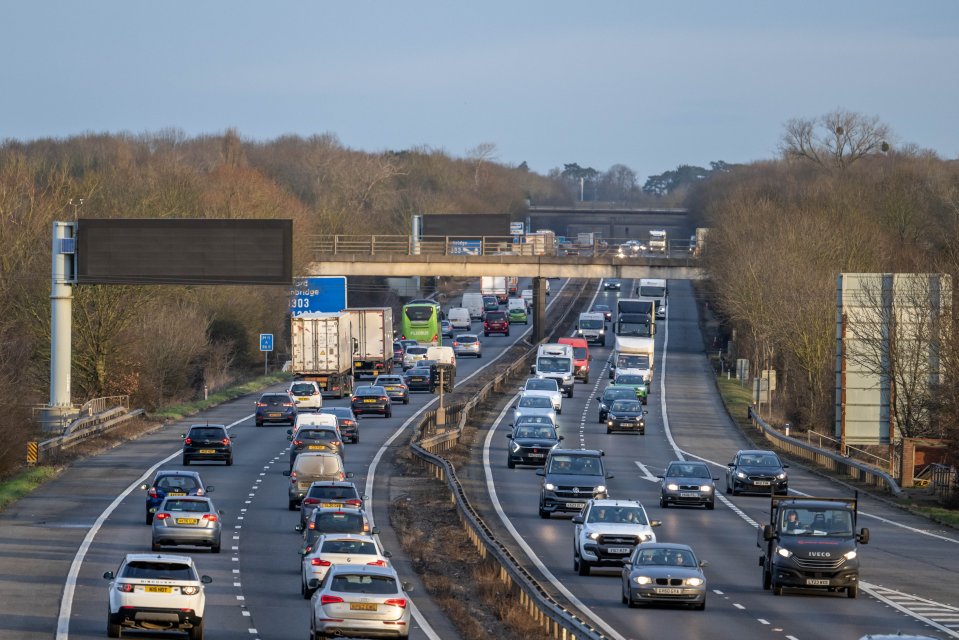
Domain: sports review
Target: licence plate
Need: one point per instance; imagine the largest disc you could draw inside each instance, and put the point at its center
(618, 550)
(762, 483)
(207, 450)
(817, 582)
(536, 455)
(362, 606)
(669, 590)
(273, 414)
(316, 447)
(418, 379)
(369, 401)
(688, 494)
(331, 505)
(187, 520)
(175, 493)
(152, 589)
(393, 389)
(574, 505)
(304, 399)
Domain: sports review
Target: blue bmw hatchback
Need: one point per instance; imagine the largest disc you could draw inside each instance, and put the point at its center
(172, 483)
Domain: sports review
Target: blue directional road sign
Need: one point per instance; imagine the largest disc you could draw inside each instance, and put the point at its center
(466, 247)
(266, 342)
(318, 295)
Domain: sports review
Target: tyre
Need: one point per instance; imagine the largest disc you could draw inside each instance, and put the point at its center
(711, 505)
(777, 588)
(853, 591)
(559, 411)
(229, 461)
(735, 491)
(507, 334)
(728, 490)
(601, 419)
(663, 503)
(406, 400)
(216, 547)
(259, 423)
(306, 593)
(583, 567)
(570, 394)
(389, 414)
(356, 438)
(586, 379)
(155, 546)
(624, 596)
(608, 430)
(700, 607)
(196, 633)
(186, 461)
(543, 513)
(149, 518)
(486, 334)
(292, 505)
(479, 355)
(767, 580)
(509, 463)
(645, 399)
(575, 561)
(113, 630)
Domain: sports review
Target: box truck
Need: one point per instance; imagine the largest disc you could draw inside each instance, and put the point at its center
(322, 351)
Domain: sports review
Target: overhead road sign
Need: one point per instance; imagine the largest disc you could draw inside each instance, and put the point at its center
(318, 295)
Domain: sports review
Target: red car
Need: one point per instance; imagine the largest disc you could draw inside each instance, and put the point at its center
(496, 322)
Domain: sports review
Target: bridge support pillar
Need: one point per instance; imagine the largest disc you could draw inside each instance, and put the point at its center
(539, 310)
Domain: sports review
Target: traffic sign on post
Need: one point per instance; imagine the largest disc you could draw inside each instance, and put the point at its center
(517, 229)
(266, 346)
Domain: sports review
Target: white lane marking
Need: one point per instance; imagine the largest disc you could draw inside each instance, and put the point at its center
(762, 621)
(646, 473)
(70, 585)
(738, 606)
(945, 613)
(371, 471)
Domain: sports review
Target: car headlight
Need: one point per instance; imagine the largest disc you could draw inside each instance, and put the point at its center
(549, 486)
(781, 476)
(647, 537)
(672, 486)
(642, 580)
(579, 331)
(515, 446)
(850, 555)
(600, 489)
(786, 553)
(189, 591)
(741, 475)
(694, 582)
(706, 488)
(609, 423)
(594, 536)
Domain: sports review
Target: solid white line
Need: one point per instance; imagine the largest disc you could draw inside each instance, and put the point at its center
(70, 585)
(875, 593)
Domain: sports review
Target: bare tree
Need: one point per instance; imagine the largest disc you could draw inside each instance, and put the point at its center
(481, 154)
(836, 139)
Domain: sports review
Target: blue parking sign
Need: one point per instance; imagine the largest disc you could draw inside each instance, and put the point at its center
(266, 342)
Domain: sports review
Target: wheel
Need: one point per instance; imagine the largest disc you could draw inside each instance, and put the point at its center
(507, 334)
(389, 414)
(356, 439)
(543, 513)
(304, 591)
(608, 430)
(196, 633)
(406, 400)
(113, 630)
(292, 505)
(486, 334)
(700, 607)
(777, 588)
(186, 461)
(767, 580)
(645, 399)
(663, 503)
(149, 518)
(586, 379)
(728, 489)
(479, 355)
(229, 461)
(643, 432)
(853, 591)
(570, 394)
(711, 505)
(735, 491)
(155, 546)
(259, 423)
(583, 567)
(216, 548)
(559, 411)
(601, 419)
(624, 596)
(575, 560)
(509, 463)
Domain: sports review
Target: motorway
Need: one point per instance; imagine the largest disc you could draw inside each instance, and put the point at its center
(909, 566)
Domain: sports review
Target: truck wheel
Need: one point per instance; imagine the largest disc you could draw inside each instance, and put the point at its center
(570, 394)
(852, 592)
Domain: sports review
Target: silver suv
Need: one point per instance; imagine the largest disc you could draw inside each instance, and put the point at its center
(607, 531)
(570, 478)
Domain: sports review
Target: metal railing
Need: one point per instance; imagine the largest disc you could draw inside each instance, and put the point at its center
(851, 451)
(95, 417)
(830, 460)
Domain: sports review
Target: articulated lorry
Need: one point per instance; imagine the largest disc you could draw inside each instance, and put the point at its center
(372, 331)
(811, 543)
(322, 350)
(495, 286)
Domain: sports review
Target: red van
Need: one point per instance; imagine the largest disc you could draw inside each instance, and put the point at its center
(581, 356)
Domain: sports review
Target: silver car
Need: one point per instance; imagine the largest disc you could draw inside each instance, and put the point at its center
(534, 405)
(413, 354)
(546, 387)
(364, 601)
(334, 549)
(467, 344)
(664, 573)
(187, 520)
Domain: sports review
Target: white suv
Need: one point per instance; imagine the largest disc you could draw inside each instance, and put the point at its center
(607, 531)
(157, 592)
(306, 394)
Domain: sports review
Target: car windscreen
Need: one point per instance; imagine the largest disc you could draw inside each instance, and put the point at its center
(340, 412)
(626, 406)
(612, 394)
(541, 384)
(629, 379)
(648, 291)
(665, 557)
(416, 351)
(591, 324)
(352, 547)
(759, 460)
(816, 522)
(351, 583)
(496, 316)
(317, 465)
(687, 471)
(579, 353)
(301, 389)
(632, 362)
(383, 380)
(195, 506)
(419, 313)
(276, 398)
(466, 339)
(534, 420)
(332, 493)
(338, 522)
(617, 515)
(535, 402)
(552, 365)
(534, 432)
(156, 570)
(569, 464)
(370, 391)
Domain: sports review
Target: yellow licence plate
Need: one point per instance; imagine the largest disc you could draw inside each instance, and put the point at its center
(207, 450)
(362, 606)
(304, 399)
(316, 447)
(175, 493)
(392, 388)
(187, 520)
(370, 400)
(152, 589)
(357, 364)
(331, 505)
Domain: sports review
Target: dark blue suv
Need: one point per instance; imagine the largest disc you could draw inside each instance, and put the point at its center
(172, 483)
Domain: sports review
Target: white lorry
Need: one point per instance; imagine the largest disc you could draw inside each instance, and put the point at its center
(657, 241)
(372, 330)
(634, 354)
(655, 289)
(556, 361)
(322, 351)
(495, 286)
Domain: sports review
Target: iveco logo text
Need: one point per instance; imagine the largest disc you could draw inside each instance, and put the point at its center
(819, 554)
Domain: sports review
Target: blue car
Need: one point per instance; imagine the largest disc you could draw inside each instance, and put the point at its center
(172, 483)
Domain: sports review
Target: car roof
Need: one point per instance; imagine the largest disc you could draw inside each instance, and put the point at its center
(695, 462)
(371, 387)
(366, 537)
(344, 509)
(163, 473)
(195, 426)
(332, 483)
(666, 545)
(756, 452)
(386, 571)
(588, 452)
(610, 502)
(159, 557)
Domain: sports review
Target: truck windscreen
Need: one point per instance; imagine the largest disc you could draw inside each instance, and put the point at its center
(552, 365)
(627, 327)
(816, 522)
(652, 292)
(632, 362)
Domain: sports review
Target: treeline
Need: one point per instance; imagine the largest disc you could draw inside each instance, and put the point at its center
(840, 199)
(164, 343)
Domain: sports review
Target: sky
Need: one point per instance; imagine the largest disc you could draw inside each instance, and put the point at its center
(651, 85)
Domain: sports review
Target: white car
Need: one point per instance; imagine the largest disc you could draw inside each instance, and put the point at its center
(607, 531)
(546, 387)
(158, 592)
(360, 601)
(531, 404)
(336, 549)
(306, 394)
(412, 355)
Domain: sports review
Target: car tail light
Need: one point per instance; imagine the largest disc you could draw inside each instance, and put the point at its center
(456, 344)
(153, 493)
(320, 562)
(325, 599)
(200, 492)
(287, 404)
(378, 563)
(293, 475)
(225, 441)
(310, 501)
(211, 517)
(297, 443)
(188, 441)
(189, 591)
(397, 602)
(385, 398)
(336, 443)
(379, 365)
(342, 475)
(162, 516)
(435, 337)
(125, 587)
(261, 404)
(353, 502)
(403, 337)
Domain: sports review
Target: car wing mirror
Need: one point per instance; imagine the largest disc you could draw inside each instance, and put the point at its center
(561, 438)
(298, 527)
(108, 575)
(577, 519)
(349, 474)
(210, 489)
(286, 473)
(289, 438)
(375, 531)
(703, 564)
(645, 412)
(661, 477)
(387, 554)
(509, 436)
(364, 498)
(206, 579)
(407, 587)
(730, 464)
(655, 523)
(715, 479)
(289, 432)
(313, 584)
(221, 511)
(541, 472)
(182, 435)
(144, 487)
(785, 466)
(610, 476)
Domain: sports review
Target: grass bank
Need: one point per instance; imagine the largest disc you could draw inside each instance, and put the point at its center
(180, 411)
(23, 483)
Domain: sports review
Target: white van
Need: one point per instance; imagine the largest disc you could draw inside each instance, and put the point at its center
(314, 420)
(460, 318)
(556, 361)
(517, 303)
(474, 302)
(527, 295)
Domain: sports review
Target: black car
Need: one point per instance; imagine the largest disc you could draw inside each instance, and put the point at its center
(603, 309)
(570, 478)
(207, 442)
(687, 482)
(329, 494)
(756, 471)
(610, 395)
(612, 285)
(371, 399)
(347, 422)
(530, 443)
(315, 438)
(169, 482)
(325, 520)
(275, 407)
(626, 415)
(420, 379)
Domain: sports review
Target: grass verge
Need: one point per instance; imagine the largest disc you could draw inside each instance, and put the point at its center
(180, 411)
(737, 399)
(23, 483)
